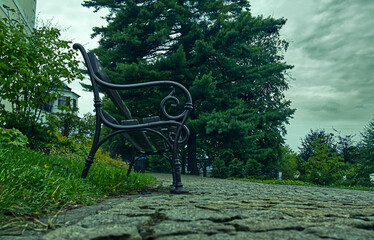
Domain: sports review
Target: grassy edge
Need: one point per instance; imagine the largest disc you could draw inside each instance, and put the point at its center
(25, 174)
(301, 183)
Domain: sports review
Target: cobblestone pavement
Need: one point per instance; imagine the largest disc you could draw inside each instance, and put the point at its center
(222, 209)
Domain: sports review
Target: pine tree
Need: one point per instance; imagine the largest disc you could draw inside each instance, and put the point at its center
(231, 61)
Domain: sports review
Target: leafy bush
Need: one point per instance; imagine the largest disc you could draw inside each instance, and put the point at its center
(158, 164)
(33, 66)
(219, 169)
(253, 168)
(288, 163)
(103, 157)
(236, 168)
(279, 182)
(12, 138)
(79, 150)
(325, 166)
(38, 134)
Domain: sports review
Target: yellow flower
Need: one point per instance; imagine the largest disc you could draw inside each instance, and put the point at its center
(45, 165)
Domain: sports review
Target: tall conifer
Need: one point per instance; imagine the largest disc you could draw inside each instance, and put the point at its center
(231, 61)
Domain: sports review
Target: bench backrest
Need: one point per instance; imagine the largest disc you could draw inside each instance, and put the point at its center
(112, 94)
(146, 143)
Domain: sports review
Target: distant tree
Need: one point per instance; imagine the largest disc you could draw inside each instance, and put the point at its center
(365, 164)
(33, 67)
(231, 61)
(346, 147)
(288, 163)
(324, 166)
(307, 146)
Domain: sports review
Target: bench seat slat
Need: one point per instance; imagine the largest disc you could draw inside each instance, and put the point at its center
(138, 138)
(157, 141)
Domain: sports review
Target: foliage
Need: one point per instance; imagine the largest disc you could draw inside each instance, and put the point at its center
(158, 164)
(76, 149)
(33, 67)
(236, 168)
(39, 134)
(279, 182)
(346, 148)
(325, 166)
(301, 183)
(220, 165)
(219, 168)
(10, 138)
(253, 168)
(231, 61)
(33, 183)
(68, 121)
(87, 126)
(289, 162)
(307, 143)
(365, 163)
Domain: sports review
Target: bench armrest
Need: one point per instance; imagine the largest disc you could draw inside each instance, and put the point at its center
(99, 77)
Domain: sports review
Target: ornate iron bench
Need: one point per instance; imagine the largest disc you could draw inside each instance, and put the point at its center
(153, 135)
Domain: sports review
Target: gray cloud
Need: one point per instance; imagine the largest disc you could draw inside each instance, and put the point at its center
(332, 49)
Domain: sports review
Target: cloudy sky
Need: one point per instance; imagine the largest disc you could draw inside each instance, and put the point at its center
(331, 48)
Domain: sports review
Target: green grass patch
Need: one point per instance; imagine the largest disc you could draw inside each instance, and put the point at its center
(301, 183)
(279, 182)
(35, 184)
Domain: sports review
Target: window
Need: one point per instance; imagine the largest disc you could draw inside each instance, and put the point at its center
(64, 101)
(48, 107)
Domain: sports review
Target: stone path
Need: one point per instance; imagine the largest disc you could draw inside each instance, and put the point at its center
(223, 209)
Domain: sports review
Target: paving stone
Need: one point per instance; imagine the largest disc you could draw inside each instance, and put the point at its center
(115, 231)
(221, 209)
(172, 228)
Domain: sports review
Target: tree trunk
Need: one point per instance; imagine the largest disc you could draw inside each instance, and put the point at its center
(192, 161)
(183, 163)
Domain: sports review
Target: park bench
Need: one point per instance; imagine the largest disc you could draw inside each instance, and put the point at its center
(165, 136)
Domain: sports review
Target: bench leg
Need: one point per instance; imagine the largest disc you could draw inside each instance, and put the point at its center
(177, 180)
(170, 159)
(87, 166)
(94, 147)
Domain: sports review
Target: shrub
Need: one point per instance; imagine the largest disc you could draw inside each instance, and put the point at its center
(38, 134)
(219, 169)
(158, 164)
(288, 163)
(12, 138)
(325, 166)
(253, 168)
(236, 168)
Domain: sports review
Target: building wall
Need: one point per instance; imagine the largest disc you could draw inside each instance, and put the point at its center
(68, 95)
(25, 11)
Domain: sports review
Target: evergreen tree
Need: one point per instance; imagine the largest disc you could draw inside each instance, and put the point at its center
(365, 165)
(324, 166)
(307, 146)
(231, 61)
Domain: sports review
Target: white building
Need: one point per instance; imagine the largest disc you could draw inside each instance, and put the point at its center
(69, 98)
(23, 10)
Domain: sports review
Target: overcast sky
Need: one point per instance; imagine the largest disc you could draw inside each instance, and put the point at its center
(331, 48)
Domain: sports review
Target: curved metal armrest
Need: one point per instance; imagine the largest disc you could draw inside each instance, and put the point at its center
(98, 80)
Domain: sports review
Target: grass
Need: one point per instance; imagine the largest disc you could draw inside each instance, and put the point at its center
(301, 183)
(34, 184)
